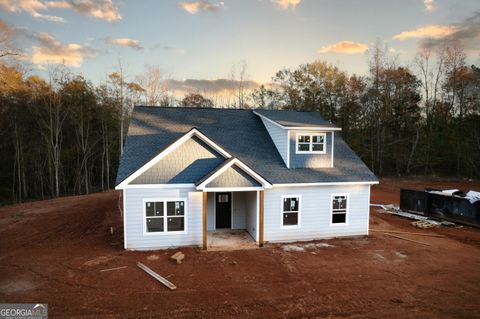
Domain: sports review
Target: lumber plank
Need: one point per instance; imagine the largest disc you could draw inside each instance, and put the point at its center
(116, 268)
(408, 239)
(161, 279)
(406, 233)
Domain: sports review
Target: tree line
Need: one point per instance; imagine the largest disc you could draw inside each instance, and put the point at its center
(64, 135)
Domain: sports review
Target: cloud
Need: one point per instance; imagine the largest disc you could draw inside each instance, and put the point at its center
(174, 50)
(100, 9)
(429, 31)
(201, 5)
(429, 5)
(126, 42)
(30, 6)
(208, 86)
(168, 48)
(50, 50)
(465, 33)
(286, 4)
(347, 47)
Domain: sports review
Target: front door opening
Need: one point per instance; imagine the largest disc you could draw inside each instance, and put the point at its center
(223, 210)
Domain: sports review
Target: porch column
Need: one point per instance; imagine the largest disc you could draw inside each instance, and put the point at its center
(261, 217)
(204, 220)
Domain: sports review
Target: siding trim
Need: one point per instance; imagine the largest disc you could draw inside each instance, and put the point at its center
(333, 143)
(257, 221)
(325, 184)
(368, 210)
(124, 220)
(288, 149)
(231, 189)
(298, 128)
(161, 186)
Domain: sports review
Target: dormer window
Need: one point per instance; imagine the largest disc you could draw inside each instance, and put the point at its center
(311, 143)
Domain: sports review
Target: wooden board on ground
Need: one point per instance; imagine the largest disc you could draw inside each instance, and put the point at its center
(407, 233)
(163, 280)
(178, 257)
(116, 268)
(408, 239)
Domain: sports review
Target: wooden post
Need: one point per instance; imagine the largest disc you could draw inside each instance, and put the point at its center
(204, 220)
(261, 217)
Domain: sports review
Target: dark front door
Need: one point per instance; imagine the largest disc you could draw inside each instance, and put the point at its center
(223, 210)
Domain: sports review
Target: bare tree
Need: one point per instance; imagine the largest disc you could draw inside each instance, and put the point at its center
(51, 122)
(238, 77)
(153, 84)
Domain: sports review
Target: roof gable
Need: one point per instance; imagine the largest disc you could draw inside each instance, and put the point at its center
(232, 173)
(186, 164)
(233, 177)
(173, 146)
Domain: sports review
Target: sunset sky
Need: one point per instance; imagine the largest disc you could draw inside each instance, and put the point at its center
(203, 39)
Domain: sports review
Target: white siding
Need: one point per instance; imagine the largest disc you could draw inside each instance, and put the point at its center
(251, 218)
(315, 213)
(238, 210)
(279, 137)
(135, 220)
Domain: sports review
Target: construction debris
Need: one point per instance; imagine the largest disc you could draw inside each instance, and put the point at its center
(407, 233)
(448, 224)
(116, 268)
(178, 257)
(424, 224)
(161, 279)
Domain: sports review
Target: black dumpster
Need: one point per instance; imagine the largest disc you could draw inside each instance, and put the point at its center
(434, 203)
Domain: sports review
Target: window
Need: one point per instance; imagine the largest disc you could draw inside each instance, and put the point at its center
(311, 143)
(164, 216)
(339, 209)
(290, 211)
(223, 198)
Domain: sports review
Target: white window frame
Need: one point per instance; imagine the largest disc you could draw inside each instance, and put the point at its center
(298, 226)
(347, 209)
(310, 151)
(165, 222)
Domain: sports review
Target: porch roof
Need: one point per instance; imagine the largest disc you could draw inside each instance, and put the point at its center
(233, 174)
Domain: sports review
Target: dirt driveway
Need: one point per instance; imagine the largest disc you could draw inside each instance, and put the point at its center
(53, 252)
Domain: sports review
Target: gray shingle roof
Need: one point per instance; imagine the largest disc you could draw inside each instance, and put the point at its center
(296, 118)
(239, 132)
(190, 161)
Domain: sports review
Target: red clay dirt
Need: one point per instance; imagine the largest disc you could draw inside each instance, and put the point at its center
(52, 252)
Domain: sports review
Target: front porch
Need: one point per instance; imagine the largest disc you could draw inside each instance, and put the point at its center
(230, 239)
(233, 220)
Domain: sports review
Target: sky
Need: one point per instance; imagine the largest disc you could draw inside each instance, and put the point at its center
(199, 41)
